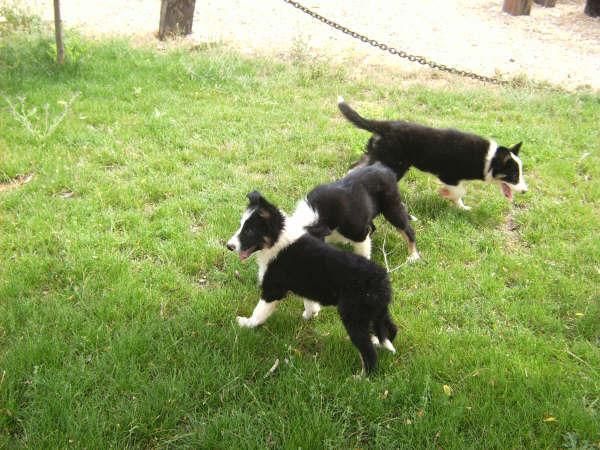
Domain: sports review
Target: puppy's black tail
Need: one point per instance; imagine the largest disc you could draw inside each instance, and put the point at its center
(374, 126)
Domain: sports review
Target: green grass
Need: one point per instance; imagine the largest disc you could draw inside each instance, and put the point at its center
(118, 298)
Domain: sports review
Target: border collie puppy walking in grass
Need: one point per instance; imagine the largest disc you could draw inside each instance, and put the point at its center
(343, 211)
(453, 156)
(291, 260)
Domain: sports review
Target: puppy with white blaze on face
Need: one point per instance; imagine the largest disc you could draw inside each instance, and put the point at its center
(452, 155)
(291, 260)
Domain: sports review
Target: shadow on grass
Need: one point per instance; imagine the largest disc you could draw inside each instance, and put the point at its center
(431, 206)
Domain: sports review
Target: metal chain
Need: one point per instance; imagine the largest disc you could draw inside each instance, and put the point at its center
(402, 54)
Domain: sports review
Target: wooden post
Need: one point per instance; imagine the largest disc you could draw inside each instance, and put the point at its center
(546, 3)
(517, 7)
(592, 8)
(58, 34)
(176, 17)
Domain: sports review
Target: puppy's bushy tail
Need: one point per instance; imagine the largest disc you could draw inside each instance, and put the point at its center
(374, 126)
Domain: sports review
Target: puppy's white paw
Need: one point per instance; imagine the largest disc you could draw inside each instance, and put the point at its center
(387, 344)
(464, 207)
(311, 309)
(413, 258)
(309, 314)
(245, 322)
(412, 218)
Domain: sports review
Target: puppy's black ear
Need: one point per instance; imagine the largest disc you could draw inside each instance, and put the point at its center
(515, 148)
(255, 198)
(265, 209)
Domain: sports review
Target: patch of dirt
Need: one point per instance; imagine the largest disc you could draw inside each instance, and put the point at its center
(560, 45)
(511, 229)
(513, 239)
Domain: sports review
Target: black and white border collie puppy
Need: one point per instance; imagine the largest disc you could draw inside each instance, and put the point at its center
(453, 156)
(343, 211)
(291, 260)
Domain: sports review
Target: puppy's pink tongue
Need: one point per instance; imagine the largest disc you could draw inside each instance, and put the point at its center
(507, 191)
(244, 254)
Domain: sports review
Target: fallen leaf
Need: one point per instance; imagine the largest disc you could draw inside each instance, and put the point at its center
(447, 390)
(550, 419)
(25, 178)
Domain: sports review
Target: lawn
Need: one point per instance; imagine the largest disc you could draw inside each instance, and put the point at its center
(118, 297)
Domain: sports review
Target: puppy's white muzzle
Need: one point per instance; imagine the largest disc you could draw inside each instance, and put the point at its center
(233, 244)
(521, 187)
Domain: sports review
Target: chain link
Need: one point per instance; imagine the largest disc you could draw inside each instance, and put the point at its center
(402, 54)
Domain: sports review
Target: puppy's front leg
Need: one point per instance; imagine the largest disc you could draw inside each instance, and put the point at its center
(311, 309)
(363, 248)
(455, 193)
(261, 313)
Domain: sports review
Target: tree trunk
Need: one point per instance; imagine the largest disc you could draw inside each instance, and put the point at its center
(546, 3)
(58, 34)
(176, 17)
(592, 8)
(517, 7)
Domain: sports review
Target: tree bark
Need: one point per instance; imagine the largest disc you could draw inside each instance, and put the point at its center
(176, 18)
(592, 8)
(546, 3)
(58, 34)
(517, 7)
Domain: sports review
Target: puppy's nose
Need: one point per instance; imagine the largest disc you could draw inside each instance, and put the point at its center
(230, 247)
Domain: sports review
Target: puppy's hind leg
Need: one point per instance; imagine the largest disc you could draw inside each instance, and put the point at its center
(358, 330)
(395, 213)
(413, 253)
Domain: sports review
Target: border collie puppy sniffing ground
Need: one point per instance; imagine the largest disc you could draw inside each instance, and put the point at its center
(453, 156)
(291, 260)
(343, 211)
